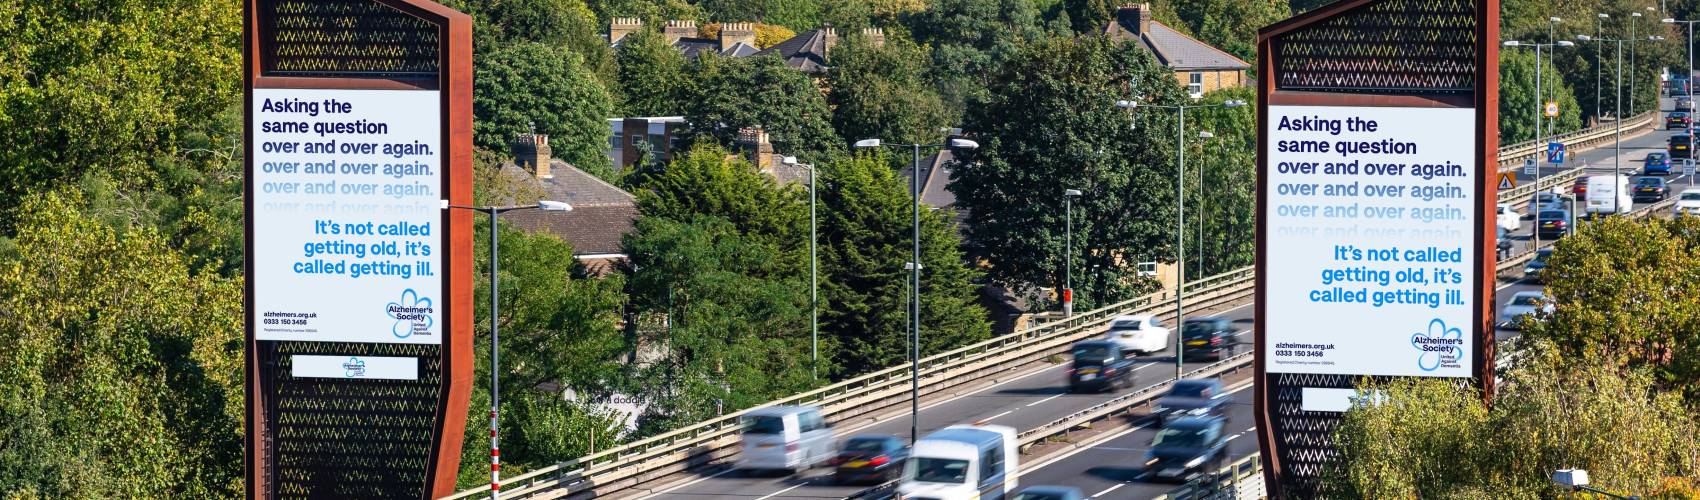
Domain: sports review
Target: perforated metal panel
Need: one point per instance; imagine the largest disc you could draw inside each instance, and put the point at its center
(346, 38)
(1389, 47)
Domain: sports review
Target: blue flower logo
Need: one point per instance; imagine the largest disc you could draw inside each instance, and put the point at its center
(411, 313)
(1439, 344)
(354, 368)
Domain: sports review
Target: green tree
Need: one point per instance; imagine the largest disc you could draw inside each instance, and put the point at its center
(736, 333)
(971, 39)
(708, 181)
(1051, 125)
(884, 92)
(120, 369)
(532, 87)
(114, 86)
(1230, 25)
(866, 237)
(1436, 439)
(1518, 107)
(1222, 183)
(567, 24)
(654, 13)
(652, 75)
(733, 94)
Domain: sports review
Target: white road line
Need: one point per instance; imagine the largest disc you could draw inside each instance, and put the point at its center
(1112, 437)
(998, 415)
(1036, 403)
(776, 493)
(1231, 438)
(1251, 429)
(1107, 490)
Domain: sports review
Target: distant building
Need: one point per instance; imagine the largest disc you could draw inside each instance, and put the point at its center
(1199, 66)
(806, 52)
(602, 214)
(627, 138)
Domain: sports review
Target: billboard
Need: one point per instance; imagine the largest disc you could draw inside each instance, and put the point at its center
(1370, 231)
(347, 196)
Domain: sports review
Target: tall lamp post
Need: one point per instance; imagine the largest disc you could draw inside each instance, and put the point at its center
(1690, 76)
(1617, 141)
(1540, 110)
(1180, 206)
(495, 339)
(1203, 134)
(914, 268)
(1599, 62)
(814, 272)
(1068, 251)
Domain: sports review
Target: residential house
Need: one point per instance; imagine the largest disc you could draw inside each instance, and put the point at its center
(1199, 66)
(627, 138)
(806, 52)
(602, 214)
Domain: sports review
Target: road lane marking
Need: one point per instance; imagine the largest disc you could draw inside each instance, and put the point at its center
(1108, 490)
(777, 493)
(1036, 403)
(999, 415)
(1231, 438)
(1112, 437)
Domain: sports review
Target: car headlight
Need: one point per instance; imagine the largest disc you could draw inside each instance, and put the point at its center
(1195, 462)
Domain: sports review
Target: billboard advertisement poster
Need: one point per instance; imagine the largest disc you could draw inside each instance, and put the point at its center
(1371, 240)
(347, 215)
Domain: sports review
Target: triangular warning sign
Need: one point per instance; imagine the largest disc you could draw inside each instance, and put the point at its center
(1507, 181)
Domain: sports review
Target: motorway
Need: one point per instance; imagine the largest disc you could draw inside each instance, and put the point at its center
(1109, 469)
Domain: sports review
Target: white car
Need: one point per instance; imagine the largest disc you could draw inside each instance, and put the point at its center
(1140, 334)
(1509, 219)
(1523, 304)
(1688, 202)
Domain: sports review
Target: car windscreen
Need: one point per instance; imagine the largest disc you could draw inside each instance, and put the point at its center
(1091, 353)
(1525, 300)
(874, 445)
(1189, 390)
(1552, 215)
(1181, 437)
(1650, 181)
(1201, 329)
(1038, 496)
(1690, 196)
(940, 470)
(1126, 324)
(1655, 157)
(764, 425)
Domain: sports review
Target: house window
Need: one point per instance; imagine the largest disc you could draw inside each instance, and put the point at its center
(615, 143)
(1195, 84)
(657, 143)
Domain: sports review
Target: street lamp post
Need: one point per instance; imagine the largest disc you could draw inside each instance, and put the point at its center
(814, 272)
(914, 268)
(1634, 17)
(1689, 78)
(1599, 63)
(1180, 207)
(1617, 140)
(1068, 251)
(1539, 109)
(1203, 134)
(495, 331)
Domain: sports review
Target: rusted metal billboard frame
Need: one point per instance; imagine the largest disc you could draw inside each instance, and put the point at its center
(452, 78)
(1484, 97)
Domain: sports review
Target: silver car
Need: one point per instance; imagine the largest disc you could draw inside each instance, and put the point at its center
(1523, 304)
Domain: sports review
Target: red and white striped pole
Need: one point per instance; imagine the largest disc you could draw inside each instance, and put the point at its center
(495, 460)
(495, 353)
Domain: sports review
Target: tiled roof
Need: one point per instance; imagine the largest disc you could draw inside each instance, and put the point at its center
(694, 46)
(806, 51)
(1174, 49)
(935, 179)
(602, 214)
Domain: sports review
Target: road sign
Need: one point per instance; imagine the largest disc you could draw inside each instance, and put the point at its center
(1529, 166)
(1688, 168)
(1507, 181)
(1551, 109)
(1555, 152)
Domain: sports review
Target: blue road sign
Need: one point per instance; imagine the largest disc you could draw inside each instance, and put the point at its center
(1555, 152)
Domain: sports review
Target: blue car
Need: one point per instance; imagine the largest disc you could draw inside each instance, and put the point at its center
(1656, 164)
(1050, 493)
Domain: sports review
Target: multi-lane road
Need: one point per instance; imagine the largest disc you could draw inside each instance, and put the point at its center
(1110, 468)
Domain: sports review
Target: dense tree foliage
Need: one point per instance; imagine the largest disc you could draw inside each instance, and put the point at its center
(733, 94)
(1223, 185)
(970, 40)
(884, 92)
(531, 87)
(1518, 106)
(560, 24)
(707, 180)
(652, 74)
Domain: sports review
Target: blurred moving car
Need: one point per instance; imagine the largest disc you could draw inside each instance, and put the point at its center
(1208, 337)
(1649, 189)
(1580, 188)
(1538, 265)
(963, 462)
(1553, 223)
(1656, 163)
(1195, 397)
(1187, 446)
(784, 438)
(1544, 201)
(1050, 493)
(1681, 146)
(1099, 366)
(1139, 334)
(1688, 202)
(1677, 120)
(1509, 219)
(1504, 244)
(1684, 104)
(875, 459)
(1522, 304)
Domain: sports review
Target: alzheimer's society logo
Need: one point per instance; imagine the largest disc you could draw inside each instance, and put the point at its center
(1440, 346)
(412, 314)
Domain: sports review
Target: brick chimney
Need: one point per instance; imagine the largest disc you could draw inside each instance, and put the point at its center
(531, 152)
(876, 36)
(1135, 18)
(679, 29)
(619, 27)
(735, 33)
(754, 140)
(831, 37)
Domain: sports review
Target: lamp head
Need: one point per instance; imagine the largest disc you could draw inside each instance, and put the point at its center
(868, 143)
(960, 143)
(554, 206)
(1071, 192)
(1512, 43)
(1127, 104)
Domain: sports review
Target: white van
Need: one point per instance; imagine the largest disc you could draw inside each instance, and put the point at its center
(1609, 194)
(962, 462)
(785, 438)
(1140, 334)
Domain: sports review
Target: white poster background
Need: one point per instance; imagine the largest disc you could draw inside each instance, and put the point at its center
(347, 243)
(1323, 257)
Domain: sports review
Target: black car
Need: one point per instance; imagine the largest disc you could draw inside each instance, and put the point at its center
(1553, 223)
(1537, 266)
(1677, 120)
(1649, 189)
(1191, 397)
(1187, 446)
(1099, 365)
(1681, 146)
(873, 459)
(1208, 338)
